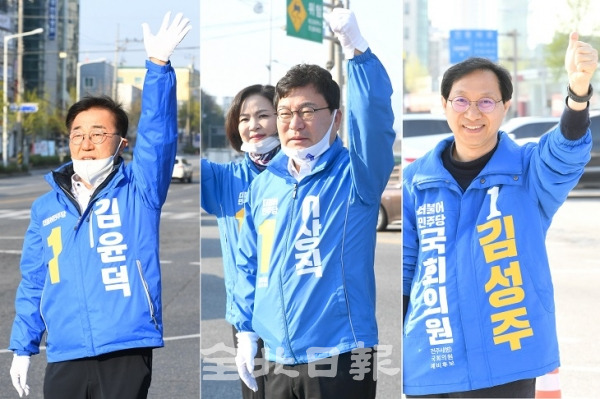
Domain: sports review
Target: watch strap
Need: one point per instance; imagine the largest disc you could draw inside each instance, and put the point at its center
(580, 99)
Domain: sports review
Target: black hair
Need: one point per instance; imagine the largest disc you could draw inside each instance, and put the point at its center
(472, 64)
(102, 102)
(233, 114)
(309, 75)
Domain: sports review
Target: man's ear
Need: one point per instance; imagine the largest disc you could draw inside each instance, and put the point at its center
(124, 144)
(338, 119)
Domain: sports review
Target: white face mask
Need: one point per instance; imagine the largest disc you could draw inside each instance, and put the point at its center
(261, 147)
(94, 171)
(305, 155)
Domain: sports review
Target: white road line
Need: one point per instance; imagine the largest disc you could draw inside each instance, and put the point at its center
(10, 251)
(15, 214)
(185, 215)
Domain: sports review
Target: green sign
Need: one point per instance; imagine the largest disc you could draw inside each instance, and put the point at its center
(305, 19)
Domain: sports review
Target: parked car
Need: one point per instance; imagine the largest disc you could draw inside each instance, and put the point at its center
(415, 147)
(182, 170)
(591, 173)
(390, 209)
(526, 128)
(423, 124)
(420, 133)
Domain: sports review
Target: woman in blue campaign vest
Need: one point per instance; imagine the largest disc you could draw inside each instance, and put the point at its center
(251, 128)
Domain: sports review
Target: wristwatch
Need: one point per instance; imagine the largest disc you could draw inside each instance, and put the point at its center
(580, 99)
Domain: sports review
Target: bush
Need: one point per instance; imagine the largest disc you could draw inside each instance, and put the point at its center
(39, 161)
(9, 169)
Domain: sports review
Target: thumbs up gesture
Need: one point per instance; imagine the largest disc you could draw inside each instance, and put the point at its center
(581, 61)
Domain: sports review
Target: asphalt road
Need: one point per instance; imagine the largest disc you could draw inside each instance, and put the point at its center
(573, 241)
(219, 377)
(176, 367)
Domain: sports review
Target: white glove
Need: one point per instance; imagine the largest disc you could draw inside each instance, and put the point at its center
(18, 374)
(244, 359)
(343, 23)
(161, 45)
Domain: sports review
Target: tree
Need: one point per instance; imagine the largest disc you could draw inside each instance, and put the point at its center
(414, 73)
(213, 119)
(191, 108)
(580, 19)
(46, 123)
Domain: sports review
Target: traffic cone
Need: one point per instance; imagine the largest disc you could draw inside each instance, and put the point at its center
(548, 386)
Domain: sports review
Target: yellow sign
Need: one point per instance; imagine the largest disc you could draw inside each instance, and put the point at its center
(297, 13)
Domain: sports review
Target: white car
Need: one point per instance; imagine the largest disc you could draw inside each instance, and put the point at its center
(182, 170)
(524, 129)
(415, 147)
(423, 124)
(420, 133)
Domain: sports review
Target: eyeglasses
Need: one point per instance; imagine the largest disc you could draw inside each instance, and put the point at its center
(95, 136)
(305, 113)
(485, 105)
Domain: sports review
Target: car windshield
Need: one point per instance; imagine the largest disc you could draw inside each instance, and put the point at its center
(424, 127)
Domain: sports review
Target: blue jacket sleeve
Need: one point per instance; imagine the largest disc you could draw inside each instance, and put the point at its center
(557, 163)
(210, 186)
(156, 142)
(370, 125)
(246, 262)
(28, 327)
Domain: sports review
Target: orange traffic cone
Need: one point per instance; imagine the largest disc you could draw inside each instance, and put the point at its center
(548, 386)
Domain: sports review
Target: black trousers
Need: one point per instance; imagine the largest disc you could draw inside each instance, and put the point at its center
(517, 389)
(247, 393)
(123, 374)
(350, 375)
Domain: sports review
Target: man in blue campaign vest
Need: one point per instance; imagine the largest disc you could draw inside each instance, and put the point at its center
(90, 264)
(479, 304)
(306, 281)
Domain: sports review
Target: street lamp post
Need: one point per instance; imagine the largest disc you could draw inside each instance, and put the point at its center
(5, 91)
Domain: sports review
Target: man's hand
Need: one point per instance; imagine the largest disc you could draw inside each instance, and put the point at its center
(343, 23)
(161, 45)
(244, 359)
(581, 60)
(18, 374)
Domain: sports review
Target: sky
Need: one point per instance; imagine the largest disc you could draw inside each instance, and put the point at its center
(544, 17)
(230, 41)
(102, 22)
(237, 44)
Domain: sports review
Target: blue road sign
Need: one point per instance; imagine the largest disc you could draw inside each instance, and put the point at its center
(465, 43)
(23, 107)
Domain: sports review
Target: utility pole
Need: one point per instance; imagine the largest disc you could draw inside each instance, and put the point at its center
(19, 91)
(63, 57)
(7, 38)
(188, 119)
(116, 67)
(336, 59)
(119, 46)
(513, 34)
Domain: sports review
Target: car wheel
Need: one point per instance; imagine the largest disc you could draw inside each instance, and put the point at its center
(189, 179)
(381, 219)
